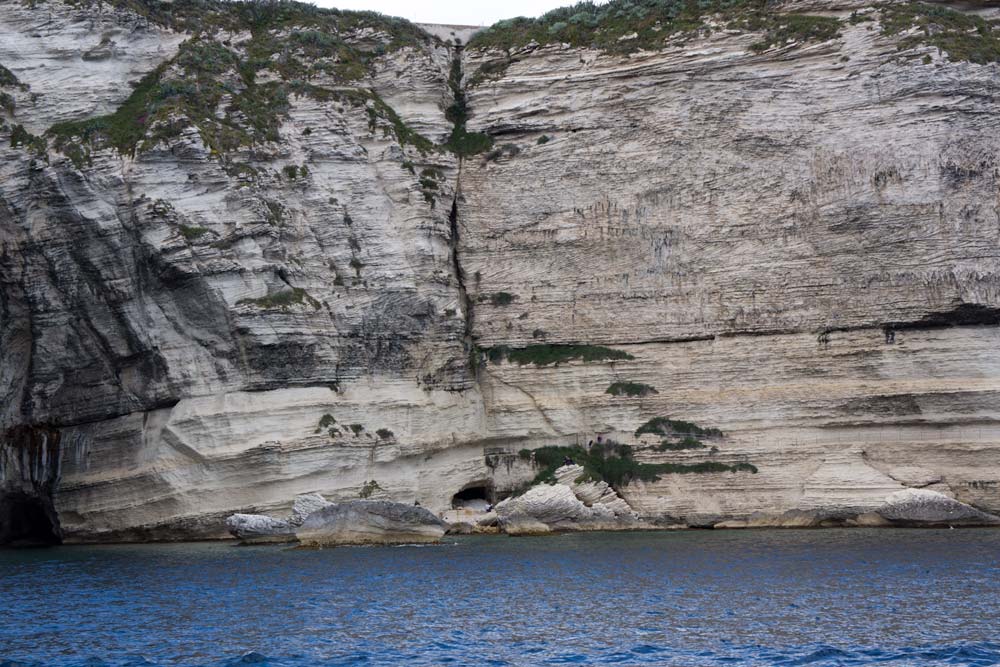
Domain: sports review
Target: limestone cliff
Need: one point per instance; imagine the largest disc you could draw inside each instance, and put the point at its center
(255, 250)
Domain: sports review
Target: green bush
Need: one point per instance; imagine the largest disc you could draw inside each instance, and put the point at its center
(9, 80)
(8, 103)
(325, 421)
(545, 355)
(191, 233)
(630, 389)
(384, 434)
(461, 142)
(614, 463)
(368, 489)
(21, 138)
(667, 426)
(282, 300)
(688, 442)
(501, 298)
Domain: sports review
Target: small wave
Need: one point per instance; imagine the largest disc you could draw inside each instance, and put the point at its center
(976, 654)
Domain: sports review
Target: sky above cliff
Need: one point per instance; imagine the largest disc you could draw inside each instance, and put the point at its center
(467, 12)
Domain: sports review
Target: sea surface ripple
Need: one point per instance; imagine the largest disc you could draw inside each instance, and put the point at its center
(756, 597)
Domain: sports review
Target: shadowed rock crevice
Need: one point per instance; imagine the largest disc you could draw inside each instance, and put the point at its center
(29, 471)
(28, 520)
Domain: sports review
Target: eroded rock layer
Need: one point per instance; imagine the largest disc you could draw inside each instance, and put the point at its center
(269, 251)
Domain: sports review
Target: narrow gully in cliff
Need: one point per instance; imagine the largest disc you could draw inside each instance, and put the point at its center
(459, 144)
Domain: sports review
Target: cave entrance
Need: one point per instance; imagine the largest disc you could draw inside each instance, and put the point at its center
(474, 496)
(27, 521)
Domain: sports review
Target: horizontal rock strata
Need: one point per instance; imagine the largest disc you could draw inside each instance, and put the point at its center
(379, 263)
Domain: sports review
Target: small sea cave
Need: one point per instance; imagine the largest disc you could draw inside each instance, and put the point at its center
(476, 496)
(27, 521)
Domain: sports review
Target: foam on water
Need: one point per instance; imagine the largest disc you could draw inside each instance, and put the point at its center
(834, 597)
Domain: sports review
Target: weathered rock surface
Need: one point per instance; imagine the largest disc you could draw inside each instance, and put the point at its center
(305, 505)
(920, 507)
(798, 247)
(260, 529)
(350, 522)
(565, 506)
(358, 522)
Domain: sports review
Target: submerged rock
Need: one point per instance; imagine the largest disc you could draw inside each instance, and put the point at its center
(920, 507)
(370, 522)
(260, 529)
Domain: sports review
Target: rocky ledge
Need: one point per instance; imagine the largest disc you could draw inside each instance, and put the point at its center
(316, 522)
(917, 508)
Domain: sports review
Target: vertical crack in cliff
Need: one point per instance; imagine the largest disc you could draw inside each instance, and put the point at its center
(463, 294)
(462, 143)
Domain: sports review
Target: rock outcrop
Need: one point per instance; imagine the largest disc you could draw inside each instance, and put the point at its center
(305, 505)
(919, 507)
(316, 522)
(247, 258)
(260, 529)
(359, 522)
(566, 505)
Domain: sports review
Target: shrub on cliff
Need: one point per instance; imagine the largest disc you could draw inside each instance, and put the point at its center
(615, 464)
(667, 426)
(962, 36)
(630, 389)
(546, 355)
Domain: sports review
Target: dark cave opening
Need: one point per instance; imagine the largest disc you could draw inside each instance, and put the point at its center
(478, 495)
(27, 521)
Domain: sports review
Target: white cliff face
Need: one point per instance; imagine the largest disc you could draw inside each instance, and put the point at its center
(77, 61)
(775, 238)
(189, 331)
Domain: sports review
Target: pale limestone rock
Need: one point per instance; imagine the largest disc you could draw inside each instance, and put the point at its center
(743, 225)
(592, 494)
(921, 507)
(305, 505)
(359, 522)
(77, 61)
(260, 529)
(556, 507)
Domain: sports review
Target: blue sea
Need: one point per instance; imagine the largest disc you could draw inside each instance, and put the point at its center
(756, 597)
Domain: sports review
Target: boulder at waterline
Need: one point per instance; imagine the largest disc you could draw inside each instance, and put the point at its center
(920, 507)
(260, 529)
(370, 522)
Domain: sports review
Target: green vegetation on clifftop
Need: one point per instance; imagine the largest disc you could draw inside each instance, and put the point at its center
(629, 25)
(961, 36)
(237, 93)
